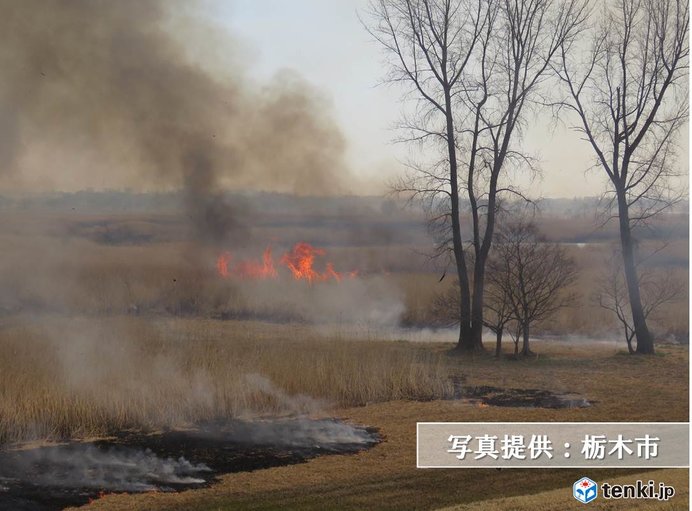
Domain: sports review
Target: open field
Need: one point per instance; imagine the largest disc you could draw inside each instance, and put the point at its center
(120, 322)
(57, 264)
(81, 377)
(560, 499)
(385, 476)
(247, 247)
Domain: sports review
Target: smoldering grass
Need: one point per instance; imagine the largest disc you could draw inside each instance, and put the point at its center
(78, 377)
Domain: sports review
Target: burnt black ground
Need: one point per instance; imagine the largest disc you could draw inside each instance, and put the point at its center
(54, 477)
(524, 398)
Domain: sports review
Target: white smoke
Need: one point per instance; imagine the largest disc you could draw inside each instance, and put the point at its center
(292, 404)
(122, 469)
(368, 301)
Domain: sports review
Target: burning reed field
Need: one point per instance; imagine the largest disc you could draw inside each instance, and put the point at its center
(222, 287)
(140, 374)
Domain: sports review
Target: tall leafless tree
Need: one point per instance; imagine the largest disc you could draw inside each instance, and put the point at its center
(629, 94)
(431, 43)
(518, 49)
(474, 67)
(531, 273)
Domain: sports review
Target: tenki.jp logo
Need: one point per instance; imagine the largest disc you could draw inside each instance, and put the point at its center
(585, 490)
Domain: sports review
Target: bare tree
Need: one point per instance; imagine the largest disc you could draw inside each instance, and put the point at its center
(532, 274)
(657, 290)
(431, 42)
(630, 97)
(499, 313)
(514, 59)
(498, 316)
(474, 66)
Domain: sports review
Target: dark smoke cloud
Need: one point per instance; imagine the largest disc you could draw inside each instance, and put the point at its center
(103, 94)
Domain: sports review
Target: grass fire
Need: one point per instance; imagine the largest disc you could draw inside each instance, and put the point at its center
(222, 286)
(300, 261)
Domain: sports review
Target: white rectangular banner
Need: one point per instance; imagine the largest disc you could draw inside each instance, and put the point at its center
(553, 444)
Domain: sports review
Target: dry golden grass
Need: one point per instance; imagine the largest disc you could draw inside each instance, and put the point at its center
(65, 377)
(54, 263)
(386, 478)
(561, 498)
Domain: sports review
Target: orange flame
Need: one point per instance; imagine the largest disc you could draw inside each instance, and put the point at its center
(222, 264)
(248, 268)
(255, 270)
(300, 261)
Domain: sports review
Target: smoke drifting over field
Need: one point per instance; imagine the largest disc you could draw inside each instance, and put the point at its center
(364, 301)
(150, 96)
(146, 95)
(56, 476)
(101, 94)
(122, 469)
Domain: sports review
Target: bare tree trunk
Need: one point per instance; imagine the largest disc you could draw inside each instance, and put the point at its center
(498, 342)
(465, 338)
(465, 335)
(476, 332)
(480, 262)
(629, 345)
(525, 344)
(645, 344)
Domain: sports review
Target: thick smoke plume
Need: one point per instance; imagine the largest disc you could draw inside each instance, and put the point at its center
(145, 95)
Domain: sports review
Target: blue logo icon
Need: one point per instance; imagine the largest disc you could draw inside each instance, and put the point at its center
(585, 490)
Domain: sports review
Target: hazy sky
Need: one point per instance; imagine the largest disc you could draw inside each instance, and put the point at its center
(325, 42)
(72, 118)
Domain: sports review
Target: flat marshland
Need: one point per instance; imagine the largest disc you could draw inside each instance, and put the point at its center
(152, 373)
(122, 373)
(126, 373)
(117, 321)
(385, 476)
